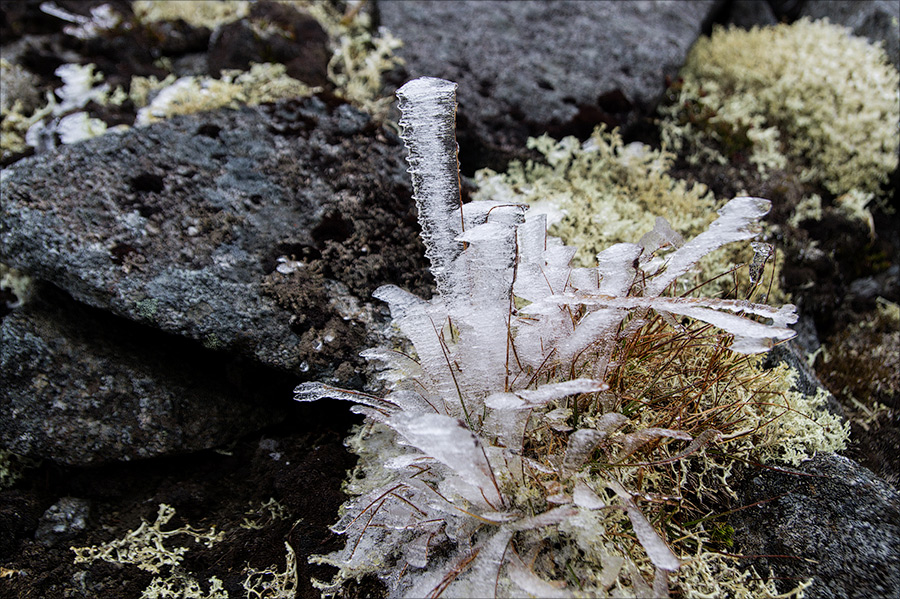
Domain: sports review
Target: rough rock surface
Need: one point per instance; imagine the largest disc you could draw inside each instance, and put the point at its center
(181, 226)
(836, 523)
(517, 77)
(81, 386)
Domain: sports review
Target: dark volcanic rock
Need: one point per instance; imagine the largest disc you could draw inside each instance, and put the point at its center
(81, 386)
(272, 33)
(257, 232)
(836, 523)
(532, 67)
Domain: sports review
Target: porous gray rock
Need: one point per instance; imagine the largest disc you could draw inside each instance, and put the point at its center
(81, 386)
(876, 20)
(525, 68)
(221, 252)
(260, 232)
(835, 522)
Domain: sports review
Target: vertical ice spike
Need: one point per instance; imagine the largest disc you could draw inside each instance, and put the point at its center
(428, 128)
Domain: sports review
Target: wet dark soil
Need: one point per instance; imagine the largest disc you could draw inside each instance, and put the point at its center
(299, 463)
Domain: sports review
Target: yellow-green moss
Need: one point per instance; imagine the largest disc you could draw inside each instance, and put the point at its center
(810, 91)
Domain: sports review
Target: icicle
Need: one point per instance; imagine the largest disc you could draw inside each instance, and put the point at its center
(428, 128)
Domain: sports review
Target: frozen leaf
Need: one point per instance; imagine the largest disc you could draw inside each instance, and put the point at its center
(585, 498)
(662, 235)
(583, 441)
(661, 584)
(657, 550)
(612, 566)
(701, 440)
(525, 578)
(634, 441)
(616, 268)
(750, 336)
(547, 393)
(548, 518)
(317, 391)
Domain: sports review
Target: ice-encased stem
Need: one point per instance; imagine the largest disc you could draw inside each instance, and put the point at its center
(428, 128)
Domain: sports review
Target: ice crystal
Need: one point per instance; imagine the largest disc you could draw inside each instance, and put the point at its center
(515, 352)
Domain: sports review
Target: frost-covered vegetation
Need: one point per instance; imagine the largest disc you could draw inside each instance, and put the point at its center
(809, 91)
(553, 430)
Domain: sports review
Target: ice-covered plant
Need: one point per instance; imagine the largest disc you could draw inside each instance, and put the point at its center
(542, 421)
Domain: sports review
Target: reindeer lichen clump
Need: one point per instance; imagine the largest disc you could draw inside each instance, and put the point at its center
(545, 427)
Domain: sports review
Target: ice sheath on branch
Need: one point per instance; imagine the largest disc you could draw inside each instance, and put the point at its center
(514, 334)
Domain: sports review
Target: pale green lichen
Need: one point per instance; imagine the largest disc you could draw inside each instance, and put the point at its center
(18, 85)
(861, 363)
(148, 547)
(810, 91)
(12, 468)
(360, 55)
(180, 585)
(358, 63)
(855, 205)
(197, 13)
(267, 512)
(21, 106)
(269, 583)
(604, 191)
(600, 192)
(262, 83)
(17, 282)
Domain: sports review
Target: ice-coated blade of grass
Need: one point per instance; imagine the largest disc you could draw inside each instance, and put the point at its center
(451, 443)
(735, 223)
(657, 550)
(428, 128)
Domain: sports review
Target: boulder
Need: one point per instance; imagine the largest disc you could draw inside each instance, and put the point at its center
(833, 521)
(526, 68)
(260, 232)
(191, 272)
(81, 387)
